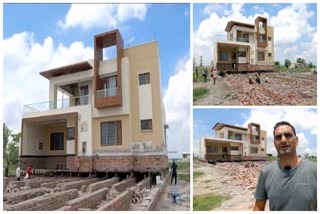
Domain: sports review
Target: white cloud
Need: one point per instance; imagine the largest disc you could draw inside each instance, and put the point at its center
(291, 26)
(101, 15)
(177, 104)
(267, 118)
(23, 59)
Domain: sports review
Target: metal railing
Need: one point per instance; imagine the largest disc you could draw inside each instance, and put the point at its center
(241, 39)
(59, 104)
(108, 92)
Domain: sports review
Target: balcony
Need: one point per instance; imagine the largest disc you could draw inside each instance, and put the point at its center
(108, 97)
(242, 39)
(60, 104)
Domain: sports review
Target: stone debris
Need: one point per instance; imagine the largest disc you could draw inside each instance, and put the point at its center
(285, 89)
(111, 194)
(140, 195)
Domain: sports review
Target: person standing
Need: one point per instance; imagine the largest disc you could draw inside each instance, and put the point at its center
(290, 184)
(174, 167)
(18, 173)
(28, 172)
(213, 75)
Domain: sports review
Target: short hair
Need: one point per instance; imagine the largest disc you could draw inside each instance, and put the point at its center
(284, 123)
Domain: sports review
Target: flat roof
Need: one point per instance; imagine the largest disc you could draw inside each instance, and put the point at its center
(219, 126)
(231, 23)
(68, 69)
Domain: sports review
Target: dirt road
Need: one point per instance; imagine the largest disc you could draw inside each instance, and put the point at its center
(232, 179)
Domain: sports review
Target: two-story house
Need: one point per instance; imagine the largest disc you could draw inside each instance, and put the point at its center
(111, 119)
(234, 143)
(249, 47)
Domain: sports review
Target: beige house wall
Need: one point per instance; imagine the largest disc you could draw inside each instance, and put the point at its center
(145, 58)
(126, 136)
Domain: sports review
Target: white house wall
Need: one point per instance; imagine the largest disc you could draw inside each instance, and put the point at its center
(145, 106)
(108, 66)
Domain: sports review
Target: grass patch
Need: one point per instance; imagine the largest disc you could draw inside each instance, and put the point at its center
(185, 177)
(197, 174)
(208, 202)
(199, 92)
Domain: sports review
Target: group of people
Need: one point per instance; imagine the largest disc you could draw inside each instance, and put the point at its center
(205, 74)
(28, 173)
(258, 80)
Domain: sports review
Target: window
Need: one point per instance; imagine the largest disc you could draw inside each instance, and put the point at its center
(261, 39)
(255, 138)
(84, 147)
(84, 92)
(146, 124)
(111, 133)
(260, 56)
(245, 37)
(234, 148)
(70, 133)
(223, 56)
(57, 141)
(262, 138)
(212, 149)
(242, 53)
(144, 78)
(269, 54)
(254, 150)
(110, 86)
(262, 149)
(269, 38)
(40, 145)
(238, 137)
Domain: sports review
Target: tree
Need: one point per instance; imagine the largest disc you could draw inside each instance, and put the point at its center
(300, 60)
(201, 61)
(287, 63)
(277, 63)
(194, 63)
(10, 148)
(211, 63)
(310, 65)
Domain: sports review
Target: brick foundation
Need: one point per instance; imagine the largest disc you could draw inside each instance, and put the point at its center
(77, 184)
(145, 183)
(120, 203)
(102, 184)
(49, 202)
(88, 201)
(17, 197)
(125, 184)
(5, 183)
(125, 163)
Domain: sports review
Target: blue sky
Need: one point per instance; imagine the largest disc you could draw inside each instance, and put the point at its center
(38, 37)
(295, 27)
(205, 119)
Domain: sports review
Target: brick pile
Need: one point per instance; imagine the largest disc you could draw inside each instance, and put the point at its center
(281, 89)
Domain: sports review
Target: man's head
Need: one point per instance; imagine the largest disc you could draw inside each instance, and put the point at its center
(285, 139)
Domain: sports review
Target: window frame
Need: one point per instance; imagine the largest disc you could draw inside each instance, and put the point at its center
(223, 56)
(53, 146)
(215, 149)
(258, 58)
(117, 134)
(149, 125)
(68, 133)
(144, 78)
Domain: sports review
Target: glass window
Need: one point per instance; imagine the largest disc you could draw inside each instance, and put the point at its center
(242, 53)
(223, 56)
(144, 78)
(269, 54)
(110, 86)
(111, 133)
(269, 38)
(260, 56)
(57, 141)
(212, 149)
(245, 37)
(261, 38)
(234, 148)
(253, 150)
(70, 133)
(238, 137)
(146, 124)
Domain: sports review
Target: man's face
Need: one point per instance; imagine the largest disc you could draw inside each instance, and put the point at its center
(285, 141)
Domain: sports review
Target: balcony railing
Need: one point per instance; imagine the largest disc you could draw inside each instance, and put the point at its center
(108, 92)
(241, 39)
(60, 104)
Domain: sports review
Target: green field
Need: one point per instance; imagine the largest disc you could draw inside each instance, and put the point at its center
(208, 202)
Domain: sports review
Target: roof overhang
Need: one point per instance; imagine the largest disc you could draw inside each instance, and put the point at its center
(232, 44)
(221, 141)
(232, 23)
(219, 126)
(69, 69)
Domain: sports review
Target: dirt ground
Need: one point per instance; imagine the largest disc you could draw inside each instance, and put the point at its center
(229, 178)
(282, 89)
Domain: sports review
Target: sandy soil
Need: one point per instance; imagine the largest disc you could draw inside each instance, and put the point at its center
(231, 179)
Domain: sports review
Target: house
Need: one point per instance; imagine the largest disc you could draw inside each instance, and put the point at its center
(249, 47)
(111, 119)
(234, 143)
